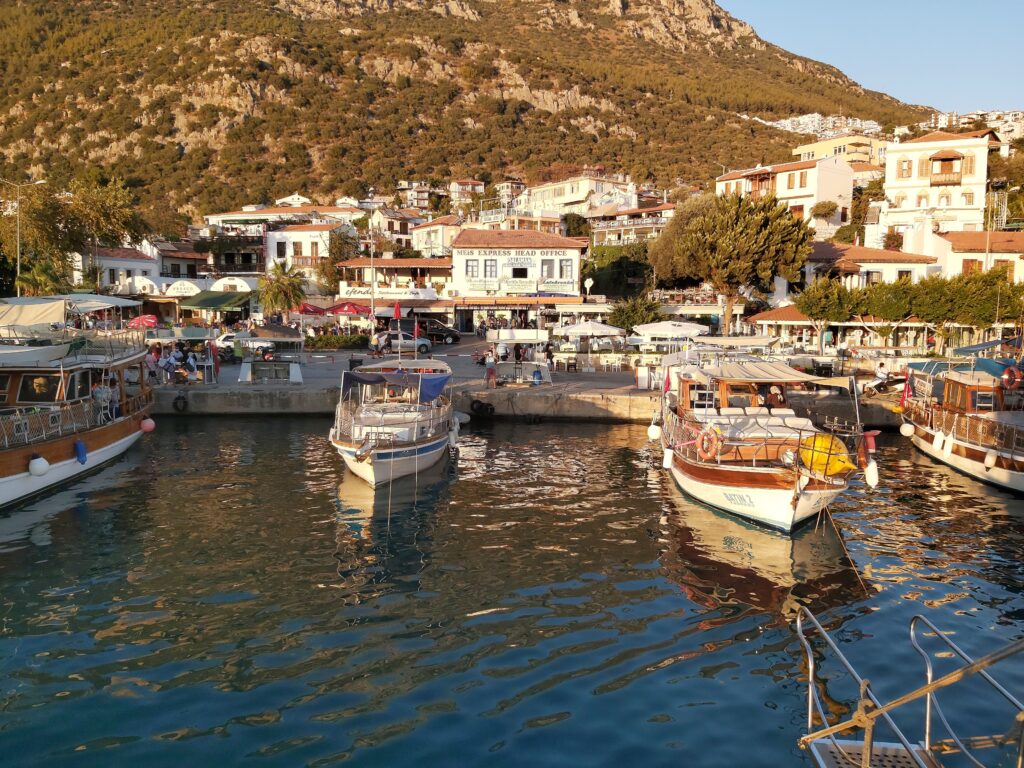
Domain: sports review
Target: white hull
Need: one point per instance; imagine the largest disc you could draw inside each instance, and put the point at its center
(1007, 478)
(387, 464)
(768, 506)
(24, 485)
(22, 355)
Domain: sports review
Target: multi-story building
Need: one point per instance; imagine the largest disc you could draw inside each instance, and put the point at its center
(865, 173)
(416, 194)
(941, 177)
(508, 192)
(494, 219)
(852, 148)
(434, 237)
(962, 253)
(859, 267)
(305, 246)
(461, 191)
(581, 193)
(800, 186)
(630, 225)
(396, 224)
(251, 219)
(123, 270)
(415, 283)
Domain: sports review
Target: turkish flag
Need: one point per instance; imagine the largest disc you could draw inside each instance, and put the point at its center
(398, 311)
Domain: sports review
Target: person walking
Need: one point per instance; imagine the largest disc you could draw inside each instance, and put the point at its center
(491, 366)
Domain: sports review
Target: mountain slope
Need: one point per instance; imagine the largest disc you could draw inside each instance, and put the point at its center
(205, 105)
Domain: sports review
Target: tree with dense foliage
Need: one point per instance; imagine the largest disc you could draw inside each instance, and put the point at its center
(281, 289)
(633, 311)
(889, 302)
(825, 301)
(739, 243)
(576, 225)
(618, 270)
(45, 277)
(341, 248)
(862, 199)
(824, 209)
(935, 304)
(106, 211)
(892, 241)
(663, 253)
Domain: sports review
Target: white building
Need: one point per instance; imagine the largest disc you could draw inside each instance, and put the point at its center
(799, 186)
(435, 237)
(630, 225)
(304, 246)
(859, 267)
(963, 253)
(395, 224)
(515, 263)
(508, 192)
(941, 177)
(416, 194)
(123, 270)
(580, 194)
(250, 220)
(461, 191)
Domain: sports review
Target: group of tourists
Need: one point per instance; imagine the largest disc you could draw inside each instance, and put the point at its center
(163, 366)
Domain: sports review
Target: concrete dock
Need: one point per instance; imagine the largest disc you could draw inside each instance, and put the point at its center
(587, 396)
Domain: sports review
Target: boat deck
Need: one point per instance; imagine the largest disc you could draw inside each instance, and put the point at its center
(883, 755)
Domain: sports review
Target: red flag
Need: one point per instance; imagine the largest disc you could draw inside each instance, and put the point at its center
(415, 330)
(668, 379)
(398, 311)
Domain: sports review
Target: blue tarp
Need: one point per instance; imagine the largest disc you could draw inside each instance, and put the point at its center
(974, 349)
(430, 385)
(984, 364)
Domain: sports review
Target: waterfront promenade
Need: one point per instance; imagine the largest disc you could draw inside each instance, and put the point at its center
(609, 396)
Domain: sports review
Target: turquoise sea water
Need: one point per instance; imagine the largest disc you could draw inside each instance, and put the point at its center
(227, 595)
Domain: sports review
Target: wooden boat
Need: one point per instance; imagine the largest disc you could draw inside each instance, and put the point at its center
(728, 448)
(394, 418)
(60, 418)
(969, 416)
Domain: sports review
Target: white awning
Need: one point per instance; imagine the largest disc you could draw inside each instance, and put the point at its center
(758, 373)
(37, 313)
(670, 329)
(588, 328)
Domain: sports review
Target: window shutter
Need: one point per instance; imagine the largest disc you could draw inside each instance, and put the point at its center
(922, 168)
(968, 165)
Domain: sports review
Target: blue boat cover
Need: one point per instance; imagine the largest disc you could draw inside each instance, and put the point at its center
(430, 385)
(984, 364)
(974, 349)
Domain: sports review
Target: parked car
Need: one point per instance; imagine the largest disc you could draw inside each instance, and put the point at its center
(226, 345)
(405, 342)
(432, 329)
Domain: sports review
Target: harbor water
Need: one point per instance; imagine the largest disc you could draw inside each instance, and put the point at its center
(226, 595)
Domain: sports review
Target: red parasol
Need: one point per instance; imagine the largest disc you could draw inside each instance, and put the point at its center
(309, 309)
(348, 308)
(143, 321)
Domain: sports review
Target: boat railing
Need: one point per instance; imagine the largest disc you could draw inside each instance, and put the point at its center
(26, 426)
(797, 447)
(973, 429)
(823, 725)
(428, 420)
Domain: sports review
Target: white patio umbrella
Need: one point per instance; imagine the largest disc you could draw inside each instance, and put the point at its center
(589, 328)
(671, 329)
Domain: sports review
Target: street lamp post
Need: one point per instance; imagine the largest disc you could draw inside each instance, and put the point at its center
(18, 188)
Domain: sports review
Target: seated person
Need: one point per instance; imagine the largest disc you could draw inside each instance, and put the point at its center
(776, 398)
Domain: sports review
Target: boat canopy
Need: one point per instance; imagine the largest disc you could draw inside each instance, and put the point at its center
(429, 385)
(54, 307)
(974, 349)
(991, 366)
(750, 372)
(414, 365)
(973, 378)
(32, 314)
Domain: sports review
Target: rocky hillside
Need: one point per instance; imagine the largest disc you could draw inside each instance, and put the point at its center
(205, 104)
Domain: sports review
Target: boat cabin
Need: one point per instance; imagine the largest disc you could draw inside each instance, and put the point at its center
(972, 392)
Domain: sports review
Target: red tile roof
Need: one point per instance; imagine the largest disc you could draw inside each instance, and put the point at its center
(382, 263)
(866, 168)
(512, 238)
(980, 242)
(947, 136)
(122, 253)
(834, 253)
(297, 210)
(788, 314)
(451, 220)
(798, 165)
(474, 182)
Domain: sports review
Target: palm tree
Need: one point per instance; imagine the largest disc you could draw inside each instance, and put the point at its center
(281, 289)
(45, 278)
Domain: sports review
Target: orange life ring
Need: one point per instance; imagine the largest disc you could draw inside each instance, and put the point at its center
(1011, 377)
(707, 444)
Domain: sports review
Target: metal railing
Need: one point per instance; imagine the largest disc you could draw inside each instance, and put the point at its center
(25, 426)
(424, 421)
(870, 710)
(972, 429)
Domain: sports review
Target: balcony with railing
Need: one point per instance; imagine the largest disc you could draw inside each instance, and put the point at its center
(645, 221)
(952, 178)
(222, 268)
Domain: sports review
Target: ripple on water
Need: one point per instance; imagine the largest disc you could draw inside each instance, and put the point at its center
(227, 594)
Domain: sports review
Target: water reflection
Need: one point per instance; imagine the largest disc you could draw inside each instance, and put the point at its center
(549, 599)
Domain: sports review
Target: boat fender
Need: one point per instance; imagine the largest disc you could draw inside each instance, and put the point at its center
(476, 406)
(81, 453)
(453, 435)
(907, 429)
(938, 440)
(666, 459)
(871, 474)
(180, 403)
(869, 439)
(38, 466)
(1011, 377)
(654, 432)
(990, 458)
(147, 425)
(707, 443)
(947, 446)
